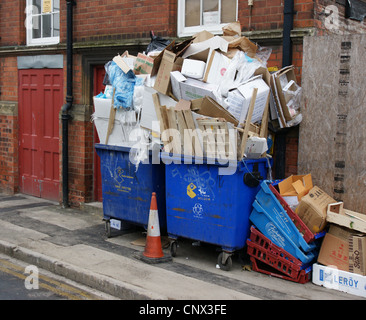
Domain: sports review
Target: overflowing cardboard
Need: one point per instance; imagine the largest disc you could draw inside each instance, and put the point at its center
(192, 71)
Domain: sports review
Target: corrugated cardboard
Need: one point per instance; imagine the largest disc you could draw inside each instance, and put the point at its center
(312, 209)
(357, 254)
(143, 64)
(334, 248)
(170, 59)
(262, 95)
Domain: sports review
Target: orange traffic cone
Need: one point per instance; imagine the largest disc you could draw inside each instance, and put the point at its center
(153, 247)
(153, 252)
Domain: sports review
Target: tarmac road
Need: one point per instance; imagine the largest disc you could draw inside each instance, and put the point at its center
(19, 281)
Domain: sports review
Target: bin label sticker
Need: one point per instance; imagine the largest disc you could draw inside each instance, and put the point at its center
(190, 191)
(123, 181)
(274, 234)
(203, 182)
(198, 211)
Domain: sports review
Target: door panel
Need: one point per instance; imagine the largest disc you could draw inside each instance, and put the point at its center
(40, 100)
(99, 73)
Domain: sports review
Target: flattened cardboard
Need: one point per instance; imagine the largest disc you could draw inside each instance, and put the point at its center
(168, 64)
(289, 73)
(213, 43)
(209, 107)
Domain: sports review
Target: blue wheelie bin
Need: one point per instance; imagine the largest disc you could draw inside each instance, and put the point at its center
(127, 192)
(203, 205)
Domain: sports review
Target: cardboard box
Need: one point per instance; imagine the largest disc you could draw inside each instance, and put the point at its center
(357, 254)
(193, 68)
(168, 64)
(191, 89)
(293, 188)
(246, 91)
(143, 64)
(312, 209)
(335, 279)
(216, 66)
(334, 248)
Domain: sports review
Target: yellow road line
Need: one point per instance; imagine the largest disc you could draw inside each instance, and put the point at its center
(74, 292)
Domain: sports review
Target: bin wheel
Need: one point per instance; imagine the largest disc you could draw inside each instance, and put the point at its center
(173, 248)
(226, 266)
(108, 229)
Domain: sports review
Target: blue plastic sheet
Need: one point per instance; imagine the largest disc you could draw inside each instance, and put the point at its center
(124, 84)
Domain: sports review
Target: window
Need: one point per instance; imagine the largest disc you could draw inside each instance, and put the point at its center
(43, 22)
(211, 15)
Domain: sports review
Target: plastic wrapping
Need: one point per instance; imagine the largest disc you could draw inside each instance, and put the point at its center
(123, 83)
(157, 43)
(241, 69)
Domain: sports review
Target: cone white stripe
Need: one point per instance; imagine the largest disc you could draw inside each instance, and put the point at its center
(153, 229)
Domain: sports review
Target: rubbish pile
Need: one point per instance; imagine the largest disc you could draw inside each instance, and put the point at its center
(300, 233)
(208, 96)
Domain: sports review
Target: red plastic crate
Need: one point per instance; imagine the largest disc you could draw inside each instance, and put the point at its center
(263, 249)
(300, 225)
(303, 276)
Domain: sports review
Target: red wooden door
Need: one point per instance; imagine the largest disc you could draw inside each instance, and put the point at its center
(40, 101)
(99, 73)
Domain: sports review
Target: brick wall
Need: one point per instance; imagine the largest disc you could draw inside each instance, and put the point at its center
(8, 79)
(81, 151)
(330, 18)
(268, 14)
(12, 18)
(124, 19)
(8, 147)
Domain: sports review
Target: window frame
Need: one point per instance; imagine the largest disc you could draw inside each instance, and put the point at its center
(184, 31)
(29, 31)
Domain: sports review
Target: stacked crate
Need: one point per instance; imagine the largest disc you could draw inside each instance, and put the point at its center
(280, 243)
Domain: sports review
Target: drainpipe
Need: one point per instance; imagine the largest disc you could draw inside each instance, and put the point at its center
(66, 107)
(280, 146)
(288, 22)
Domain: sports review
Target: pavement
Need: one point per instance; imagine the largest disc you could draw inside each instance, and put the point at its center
(72, 243)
